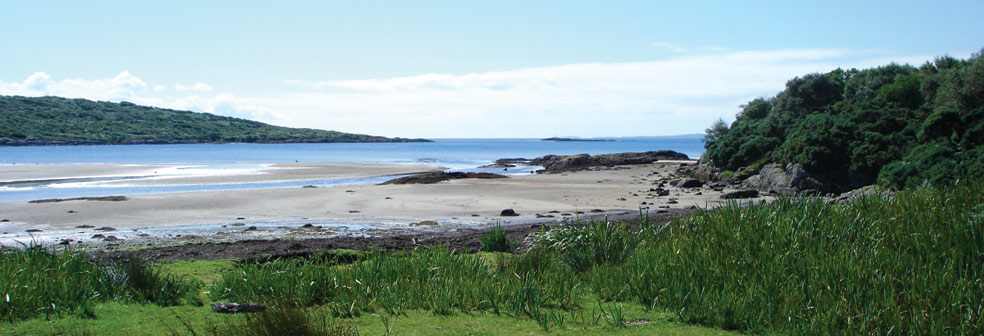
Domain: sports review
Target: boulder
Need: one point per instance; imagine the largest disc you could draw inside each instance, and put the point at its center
(789, 180)
(508, 213)
(741, 194)
(689, 183)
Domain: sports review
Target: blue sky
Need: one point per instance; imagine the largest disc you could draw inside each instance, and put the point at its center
(463, 69)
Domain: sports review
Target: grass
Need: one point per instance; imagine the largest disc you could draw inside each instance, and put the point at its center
(908, 264)
(41, 282)
(496, 240)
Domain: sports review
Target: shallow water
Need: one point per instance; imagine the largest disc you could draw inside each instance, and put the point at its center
(240, 159)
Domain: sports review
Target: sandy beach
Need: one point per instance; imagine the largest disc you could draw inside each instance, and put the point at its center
(614, 191)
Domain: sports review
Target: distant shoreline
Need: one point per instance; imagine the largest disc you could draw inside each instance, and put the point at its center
(575, 139)
(169, 142)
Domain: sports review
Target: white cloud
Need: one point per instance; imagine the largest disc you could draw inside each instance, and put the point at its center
(673, 96)
(122, 87)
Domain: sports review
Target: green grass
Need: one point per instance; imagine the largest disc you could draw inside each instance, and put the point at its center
(41, 282)
(152, 320)
(496, 240)
(909, 264)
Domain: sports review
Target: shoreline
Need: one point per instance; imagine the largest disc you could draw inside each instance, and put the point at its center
(364, 210)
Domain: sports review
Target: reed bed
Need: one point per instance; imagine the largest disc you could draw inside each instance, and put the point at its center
(38, 281)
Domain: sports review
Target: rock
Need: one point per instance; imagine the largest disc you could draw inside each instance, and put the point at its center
(308, 226)
(354, 211)
(72, 211)
(65, 242)
(557, 163)
(84, 227)
(508, 213)
(101, 198)
(424, 223)
(98, 236)
(597, 210)
(106, 228)
(790, 181)
(4, 220)
(143, 235)
(309, 187)
(698, 193)
(858, 193)
(111, 238)
(660, 191)
(435, 177)
(251, 228)
(689, 183)
(33, 230)
(741, 194)
(240, 218)
(475, 215)
(672, 202)
(233, 307)
(544, 216)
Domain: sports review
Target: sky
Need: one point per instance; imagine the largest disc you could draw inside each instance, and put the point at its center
(440, 69)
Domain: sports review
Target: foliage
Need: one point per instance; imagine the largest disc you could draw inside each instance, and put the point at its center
(496, 240)
(53, 120)
(863, 126)
(908, 264)
(42, 282)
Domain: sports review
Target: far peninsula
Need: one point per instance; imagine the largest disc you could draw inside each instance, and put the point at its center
(37, 121)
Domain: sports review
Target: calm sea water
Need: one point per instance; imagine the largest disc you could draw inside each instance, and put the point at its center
(459, 154)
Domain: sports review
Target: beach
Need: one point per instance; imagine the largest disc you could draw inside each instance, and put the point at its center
(365, 209)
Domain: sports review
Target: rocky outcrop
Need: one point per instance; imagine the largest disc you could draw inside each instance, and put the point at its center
(561, 163)
(435, 177)
(789, 180)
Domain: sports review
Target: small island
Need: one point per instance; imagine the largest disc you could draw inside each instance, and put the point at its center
(30, 121)
(575, 139)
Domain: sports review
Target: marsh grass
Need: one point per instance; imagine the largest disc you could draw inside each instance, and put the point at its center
(496, 240)
(41, 282)
(910, 264)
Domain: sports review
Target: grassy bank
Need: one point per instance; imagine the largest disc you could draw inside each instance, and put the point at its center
(910, 264)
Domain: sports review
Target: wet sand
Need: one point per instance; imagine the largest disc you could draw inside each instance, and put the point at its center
(457, 204)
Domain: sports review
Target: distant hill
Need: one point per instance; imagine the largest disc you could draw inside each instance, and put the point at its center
(62, 121)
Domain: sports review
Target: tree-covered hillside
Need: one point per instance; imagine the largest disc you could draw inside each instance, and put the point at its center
(54, 120)
(897, 125)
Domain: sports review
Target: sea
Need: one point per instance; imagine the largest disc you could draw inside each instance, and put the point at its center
(219, 159)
